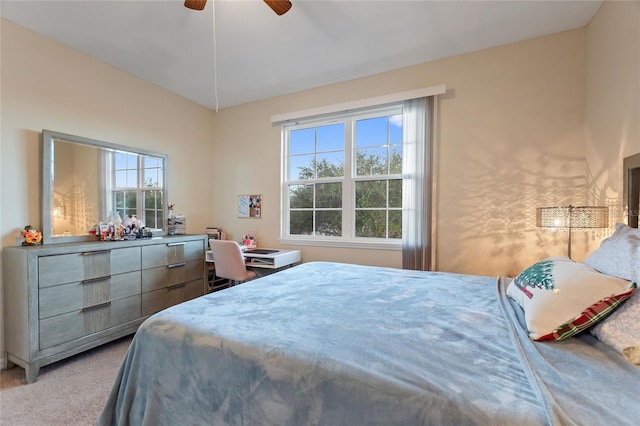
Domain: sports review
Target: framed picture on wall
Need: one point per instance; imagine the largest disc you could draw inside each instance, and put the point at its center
(250, 206)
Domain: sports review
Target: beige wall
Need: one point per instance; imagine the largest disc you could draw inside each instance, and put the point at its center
(511, 137)
(48, 86)
(612, 100)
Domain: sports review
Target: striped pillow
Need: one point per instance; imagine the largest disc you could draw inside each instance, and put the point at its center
(561, 298)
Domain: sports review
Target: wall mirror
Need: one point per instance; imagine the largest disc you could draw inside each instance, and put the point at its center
(86, 181)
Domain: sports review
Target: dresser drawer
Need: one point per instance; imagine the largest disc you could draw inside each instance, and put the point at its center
(74, 325)
(171, 253)
(74, 267)
(71, 297)
(165, 276)
(157, 300)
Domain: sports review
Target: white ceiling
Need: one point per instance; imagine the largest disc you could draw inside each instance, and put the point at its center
(259, 55)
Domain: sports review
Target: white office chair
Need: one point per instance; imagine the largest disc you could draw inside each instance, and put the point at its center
(229, 262)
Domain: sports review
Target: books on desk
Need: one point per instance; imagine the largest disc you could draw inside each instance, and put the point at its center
(215, 233)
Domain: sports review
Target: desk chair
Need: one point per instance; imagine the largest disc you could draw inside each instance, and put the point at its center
(229, 262)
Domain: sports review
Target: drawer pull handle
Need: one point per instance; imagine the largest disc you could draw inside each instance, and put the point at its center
(89, 253)
(175, 244)
(171, 287)
(93, 280)
(101, 305)
(176, 265)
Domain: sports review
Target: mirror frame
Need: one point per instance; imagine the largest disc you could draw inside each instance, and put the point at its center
(48, 138)
(631, 189)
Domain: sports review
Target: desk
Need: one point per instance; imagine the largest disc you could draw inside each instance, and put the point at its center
(262, 263)
(277, 260)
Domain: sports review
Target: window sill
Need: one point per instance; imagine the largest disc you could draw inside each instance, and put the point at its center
(342, 243)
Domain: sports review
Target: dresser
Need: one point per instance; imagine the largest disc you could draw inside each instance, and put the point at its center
(62, 299)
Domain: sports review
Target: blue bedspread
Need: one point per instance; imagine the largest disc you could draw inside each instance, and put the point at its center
(337, 344)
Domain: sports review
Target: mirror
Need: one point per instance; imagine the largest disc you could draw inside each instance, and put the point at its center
(86, 181)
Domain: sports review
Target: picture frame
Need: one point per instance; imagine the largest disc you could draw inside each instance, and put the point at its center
(250, 206)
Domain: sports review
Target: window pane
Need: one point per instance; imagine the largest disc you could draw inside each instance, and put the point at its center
(302, 167)
(149, 200)
(152, 200)
(371, 132)
(372, 161)
(301, 196)
(130, 199)
(152, 178)
(121, 179)
(152, 162)
(371, 223)
(371, 194)
(395, 224)
(329, 195)
(153, 209)
(152, 172)
(329, 223)
(330, 138)
(120, 161)
(395, 193)
(395, 129)
(395, 159)
(150, 220)
(132, 179)
(330, 164)
(118, 199)
(302, 141)
(301, 222)
(132, 161)
(128, 213)
(125, 203)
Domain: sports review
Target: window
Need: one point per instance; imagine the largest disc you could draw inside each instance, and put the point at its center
(137, 187)
(343, 177)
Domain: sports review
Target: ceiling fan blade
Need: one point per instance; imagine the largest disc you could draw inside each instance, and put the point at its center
(280, 7)
(195, 4)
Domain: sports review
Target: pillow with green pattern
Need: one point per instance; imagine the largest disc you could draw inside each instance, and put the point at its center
(561, 298)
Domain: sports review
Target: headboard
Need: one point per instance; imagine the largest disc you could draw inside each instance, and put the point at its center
(631, 189)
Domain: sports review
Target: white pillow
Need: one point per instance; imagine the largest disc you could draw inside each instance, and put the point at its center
(618, 255)
(621, 329)
(561, 298)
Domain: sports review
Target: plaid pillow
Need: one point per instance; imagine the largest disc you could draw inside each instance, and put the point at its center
(561, 298)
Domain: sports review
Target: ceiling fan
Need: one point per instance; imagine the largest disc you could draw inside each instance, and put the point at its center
(280, 7)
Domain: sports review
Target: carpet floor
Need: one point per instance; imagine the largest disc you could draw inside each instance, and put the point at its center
(69, 392)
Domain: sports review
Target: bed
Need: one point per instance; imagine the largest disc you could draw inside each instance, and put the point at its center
(339, 344)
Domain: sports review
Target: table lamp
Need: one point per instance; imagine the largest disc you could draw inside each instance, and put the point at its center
(580, 217)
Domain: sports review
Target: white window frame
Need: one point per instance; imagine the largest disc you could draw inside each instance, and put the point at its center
(324, 111)
(139, 189)
(348, 238)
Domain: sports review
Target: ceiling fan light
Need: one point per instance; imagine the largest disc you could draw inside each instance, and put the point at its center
(195, 4)
(280, 7)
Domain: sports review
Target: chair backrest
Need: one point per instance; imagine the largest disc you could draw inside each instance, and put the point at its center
(229, 261)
